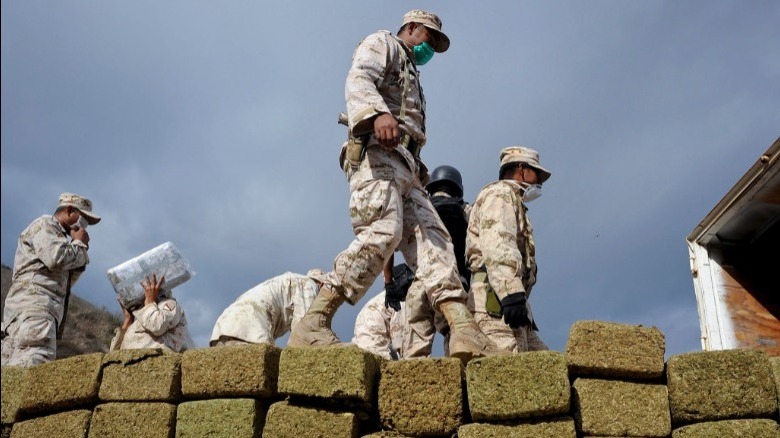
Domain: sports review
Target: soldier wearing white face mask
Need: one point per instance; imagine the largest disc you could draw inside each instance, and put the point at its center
(388, 205)
(50, 256)
(501, 253)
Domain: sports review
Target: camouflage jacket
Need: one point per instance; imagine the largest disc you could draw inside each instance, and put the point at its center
(45, 257)
(268, 310)
(379, 329)
(500, 239)
(157, 325)
(380, 67)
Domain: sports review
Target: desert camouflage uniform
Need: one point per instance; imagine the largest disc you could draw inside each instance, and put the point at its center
(500, 242)
(422, 320)
(380, 329)
(389, 207)
(156, 325)
(44, 260)
(267, 311)
(422, 323)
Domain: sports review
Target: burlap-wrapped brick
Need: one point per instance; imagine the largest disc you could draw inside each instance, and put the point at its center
(562, 427)
(69, 424)
(230, 371)
(121, 420)
(341, 373)
(753, 428)
(141, 375)
(607, 349)
(62, 384)
(421, 396)
(240, 417)
(720, 385)
(385, 434)
(5, 432)
(518, 386)
(615, 408)
(12, 390)
(287, 421)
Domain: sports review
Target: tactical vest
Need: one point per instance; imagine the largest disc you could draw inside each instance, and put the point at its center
(450, 210)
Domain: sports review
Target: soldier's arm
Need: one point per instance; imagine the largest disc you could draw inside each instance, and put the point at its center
(364, 102)
(498, 235)
(54, 250)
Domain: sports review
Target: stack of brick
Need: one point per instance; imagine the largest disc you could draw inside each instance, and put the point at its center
(723, 393)
(422, 397)
(227, 390)
(13, 381)
(52, 399)
(330, 392)
(139, 392)
(519, 395)
(610, 382)
(618, 387)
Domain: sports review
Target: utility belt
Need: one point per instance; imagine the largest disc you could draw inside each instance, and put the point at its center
(354, 150)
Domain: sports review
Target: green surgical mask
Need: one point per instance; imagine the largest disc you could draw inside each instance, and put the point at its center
(423, 53)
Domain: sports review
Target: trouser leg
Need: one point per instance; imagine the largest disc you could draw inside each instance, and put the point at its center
(31, 341)
(419, 331)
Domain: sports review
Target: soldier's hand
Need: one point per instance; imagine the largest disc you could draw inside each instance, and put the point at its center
(515, 310)
(128, 316)
(386, 131)
(393, 296)
(80, 234)
(152, 288)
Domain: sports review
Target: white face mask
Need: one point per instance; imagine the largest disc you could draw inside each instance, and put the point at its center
(80, 224)
(532, 191)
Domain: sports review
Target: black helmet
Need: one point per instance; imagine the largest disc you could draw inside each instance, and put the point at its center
(447, 178)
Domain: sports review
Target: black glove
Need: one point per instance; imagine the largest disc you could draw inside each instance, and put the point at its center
(393, 296)
(515, 310)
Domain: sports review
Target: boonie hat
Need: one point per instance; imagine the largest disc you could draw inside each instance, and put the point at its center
(83, 204)
(522, 154)
(432, 23)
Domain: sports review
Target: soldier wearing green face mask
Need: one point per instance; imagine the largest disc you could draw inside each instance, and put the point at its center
(389, 207)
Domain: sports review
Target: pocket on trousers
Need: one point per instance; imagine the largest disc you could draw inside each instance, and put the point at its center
(35, 331)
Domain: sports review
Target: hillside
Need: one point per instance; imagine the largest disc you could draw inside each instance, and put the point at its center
(88, 329)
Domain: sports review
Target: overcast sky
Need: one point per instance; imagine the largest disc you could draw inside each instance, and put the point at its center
(213, 125)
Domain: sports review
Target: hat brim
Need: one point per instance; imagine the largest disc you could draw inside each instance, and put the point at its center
(441, 37)
(544, 174)
(91, 218)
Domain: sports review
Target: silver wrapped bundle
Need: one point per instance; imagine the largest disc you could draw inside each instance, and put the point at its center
(164, 260)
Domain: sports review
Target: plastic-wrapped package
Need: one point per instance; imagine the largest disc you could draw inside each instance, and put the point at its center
(164, 260)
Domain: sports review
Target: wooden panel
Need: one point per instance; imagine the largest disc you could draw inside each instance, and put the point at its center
(754, 325)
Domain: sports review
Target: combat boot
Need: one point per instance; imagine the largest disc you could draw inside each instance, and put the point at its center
(466, 339)
(314, 328)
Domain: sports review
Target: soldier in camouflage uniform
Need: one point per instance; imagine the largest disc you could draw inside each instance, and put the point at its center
(500, 252)
(159, 323)
(267, 311)
(445, 189)
(389, 208)
(381, 326)
(50, 257)
(380, 329)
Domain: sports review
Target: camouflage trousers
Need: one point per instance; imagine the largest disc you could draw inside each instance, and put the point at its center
(506, 338)
(30, 339)
(422, 323)
(389, 210)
